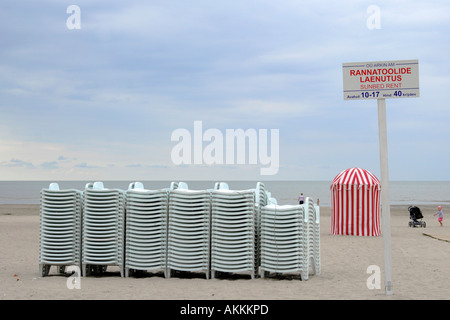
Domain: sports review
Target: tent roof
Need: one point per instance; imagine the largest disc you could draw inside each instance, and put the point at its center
(355, 176)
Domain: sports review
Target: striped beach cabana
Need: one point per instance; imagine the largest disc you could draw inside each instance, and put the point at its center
(355, 203)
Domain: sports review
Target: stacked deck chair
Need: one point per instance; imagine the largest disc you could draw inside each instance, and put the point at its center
(290, 239)
(103, 229)
(188, 246)
(313, 235)
(146, 229)
(234, 232)
(261, 200)
(60, 229)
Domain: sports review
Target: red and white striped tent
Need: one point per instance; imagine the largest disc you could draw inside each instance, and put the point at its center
(355, 203)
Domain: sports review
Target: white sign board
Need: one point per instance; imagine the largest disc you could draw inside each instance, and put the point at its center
(381, 79)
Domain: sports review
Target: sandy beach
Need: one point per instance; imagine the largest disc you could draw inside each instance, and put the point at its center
(420, 257)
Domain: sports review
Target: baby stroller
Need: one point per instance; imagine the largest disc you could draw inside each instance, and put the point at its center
(415, 214)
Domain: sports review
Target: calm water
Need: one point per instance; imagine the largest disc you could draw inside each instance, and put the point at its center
(286, 192)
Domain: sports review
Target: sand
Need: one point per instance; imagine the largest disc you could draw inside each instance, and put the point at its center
(421, 268)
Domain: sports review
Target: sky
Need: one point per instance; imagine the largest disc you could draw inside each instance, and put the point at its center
(105, 100)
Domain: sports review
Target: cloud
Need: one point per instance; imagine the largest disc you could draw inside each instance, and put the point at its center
(49, 165)
(267, 108)
(84, 165)
(134, 165)
(18, 163)
(158, 166)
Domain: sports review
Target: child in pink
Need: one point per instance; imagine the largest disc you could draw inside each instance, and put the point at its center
(440, 215)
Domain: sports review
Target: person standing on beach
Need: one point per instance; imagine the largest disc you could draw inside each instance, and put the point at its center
(440, 215)
(301, 199)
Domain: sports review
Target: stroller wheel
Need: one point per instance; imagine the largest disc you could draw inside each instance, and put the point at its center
(424, 224)
(410, 224)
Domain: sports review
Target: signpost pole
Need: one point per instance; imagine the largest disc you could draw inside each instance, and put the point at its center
(382, 80)
(385, 201)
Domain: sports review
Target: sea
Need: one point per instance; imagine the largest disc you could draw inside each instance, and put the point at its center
(285, 192)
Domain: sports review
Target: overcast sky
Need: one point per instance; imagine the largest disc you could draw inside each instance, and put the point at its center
(102, 101)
